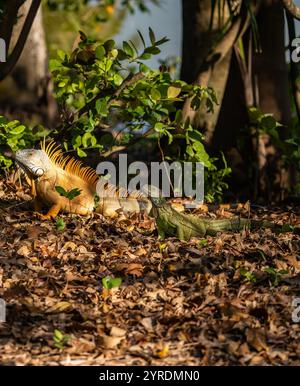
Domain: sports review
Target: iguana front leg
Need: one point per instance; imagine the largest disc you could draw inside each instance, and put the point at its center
(181, 234)
(161, 233)
(165, 227)
(52, 213)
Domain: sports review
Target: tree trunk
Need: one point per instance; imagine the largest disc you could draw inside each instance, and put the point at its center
(28, 91)
(223, 129)
(271, 71)
(208, 39)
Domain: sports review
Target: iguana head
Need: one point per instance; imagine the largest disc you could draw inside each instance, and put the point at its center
(34, 162)
(158, 201)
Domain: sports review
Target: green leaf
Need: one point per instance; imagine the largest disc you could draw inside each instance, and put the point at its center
(155, 94)
(118, 80)
(85, 138)
(145, 69)
(122, 55)
(81, 153)
(101, 107)
(159, 127)
(195, 104)
(61, 54)
(58, 335)
(162, 41)
(60, 224)
(269, 122)
(152, 50)
(254, 114)
(109, 45)
(68, 194)
(145, 56)
(54, 64)
(114, 53)
(189, 150)
(93, 140)
(12, 123)
(178, 116)
(100, 52)
(61, 191)
(17, 130)
(173, 92)
(128, 49)
(196, 135)
(152, 36)
(142, 38)
(287, 228)
(202, 243)
(73, 193)
(109, 283)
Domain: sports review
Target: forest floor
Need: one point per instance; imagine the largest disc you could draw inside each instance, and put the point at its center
(219, 301)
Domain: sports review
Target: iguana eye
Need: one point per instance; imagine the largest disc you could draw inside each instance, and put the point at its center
(39, 172)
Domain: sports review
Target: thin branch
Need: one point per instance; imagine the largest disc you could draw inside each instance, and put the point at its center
(6, 68)
(117, 149)
(113, 150)
(130, 80)
(291, 8)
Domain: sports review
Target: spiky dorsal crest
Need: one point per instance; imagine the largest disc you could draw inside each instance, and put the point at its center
(69, 164)
(86, 173)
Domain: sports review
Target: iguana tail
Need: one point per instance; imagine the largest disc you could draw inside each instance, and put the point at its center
(236, 224)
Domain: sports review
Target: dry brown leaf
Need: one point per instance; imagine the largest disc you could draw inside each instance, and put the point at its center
(110, 342)
(60, 307)
(25, 250)
(33, 231)
(147, 323)
(117, 331)
(69, 245)
(256, 339)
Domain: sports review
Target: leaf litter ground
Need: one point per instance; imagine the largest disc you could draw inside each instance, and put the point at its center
(218, 301)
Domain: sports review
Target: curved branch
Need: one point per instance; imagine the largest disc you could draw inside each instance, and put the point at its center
(291, 8)
(10, 14)
(6, 68)
(129, 81)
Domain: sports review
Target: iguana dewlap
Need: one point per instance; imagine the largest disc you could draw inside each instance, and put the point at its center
(48, 168)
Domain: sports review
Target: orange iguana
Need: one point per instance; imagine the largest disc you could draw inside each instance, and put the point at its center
(48, 168)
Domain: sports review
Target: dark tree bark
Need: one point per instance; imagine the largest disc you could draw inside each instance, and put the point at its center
(207, 51)
(28, 92)
(11, 12)
(271, 92)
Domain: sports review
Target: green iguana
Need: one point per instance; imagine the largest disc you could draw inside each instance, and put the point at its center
(48, 168)
(170, 222)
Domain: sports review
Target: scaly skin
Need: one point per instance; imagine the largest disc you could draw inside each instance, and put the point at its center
(47, 168)
(172, 223)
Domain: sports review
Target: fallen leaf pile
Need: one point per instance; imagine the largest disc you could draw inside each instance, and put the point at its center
(226, 300)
